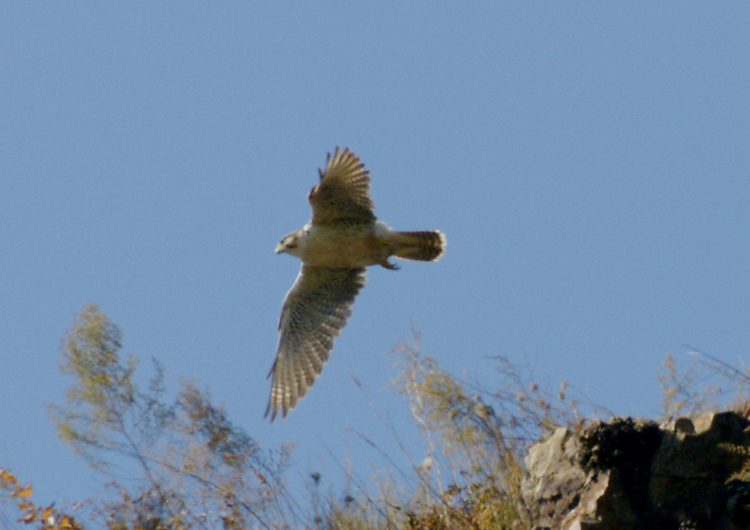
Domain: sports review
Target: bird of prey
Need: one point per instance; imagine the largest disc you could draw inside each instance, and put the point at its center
(343, 238)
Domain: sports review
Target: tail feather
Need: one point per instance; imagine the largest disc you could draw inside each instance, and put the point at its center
(420, 246)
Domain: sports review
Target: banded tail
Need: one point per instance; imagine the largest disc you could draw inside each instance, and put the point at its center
(420, 246)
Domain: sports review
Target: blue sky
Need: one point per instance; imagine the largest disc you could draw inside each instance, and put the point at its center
(588, 161)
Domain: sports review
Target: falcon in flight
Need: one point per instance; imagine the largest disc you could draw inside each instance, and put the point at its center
(343, 238)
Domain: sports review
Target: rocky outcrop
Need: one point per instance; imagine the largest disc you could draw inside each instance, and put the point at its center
(625, 474)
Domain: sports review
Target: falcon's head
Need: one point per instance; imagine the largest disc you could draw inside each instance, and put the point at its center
(289, 243)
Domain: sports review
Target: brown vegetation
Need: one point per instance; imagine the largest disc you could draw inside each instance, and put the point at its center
(199, 470)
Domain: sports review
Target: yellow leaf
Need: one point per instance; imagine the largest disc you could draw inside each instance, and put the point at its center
(28, 518)
(47, 512)
(25, 492)
(7, 476)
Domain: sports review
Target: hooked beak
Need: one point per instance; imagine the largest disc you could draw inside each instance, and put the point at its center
(279, 248)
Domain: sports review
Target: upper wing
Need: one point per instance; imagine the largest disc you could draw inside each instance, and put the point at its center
(343, 192)
(314, 313)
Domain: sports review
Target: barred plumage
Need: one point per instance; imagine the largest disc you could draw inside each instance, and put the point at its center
(342, 239)
(420, 246)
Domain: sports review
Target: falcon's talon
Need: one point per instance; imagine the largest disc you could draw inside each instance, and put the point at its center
(388, 265)
(342, 239)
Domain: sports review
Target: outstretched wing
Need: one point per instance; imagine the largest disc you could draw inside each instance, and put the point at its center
(344, 191)
(314, 313)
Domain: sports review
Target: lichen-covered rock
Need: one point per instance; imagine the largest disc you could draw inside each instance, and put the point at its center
(626, 474)
(554, 479)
